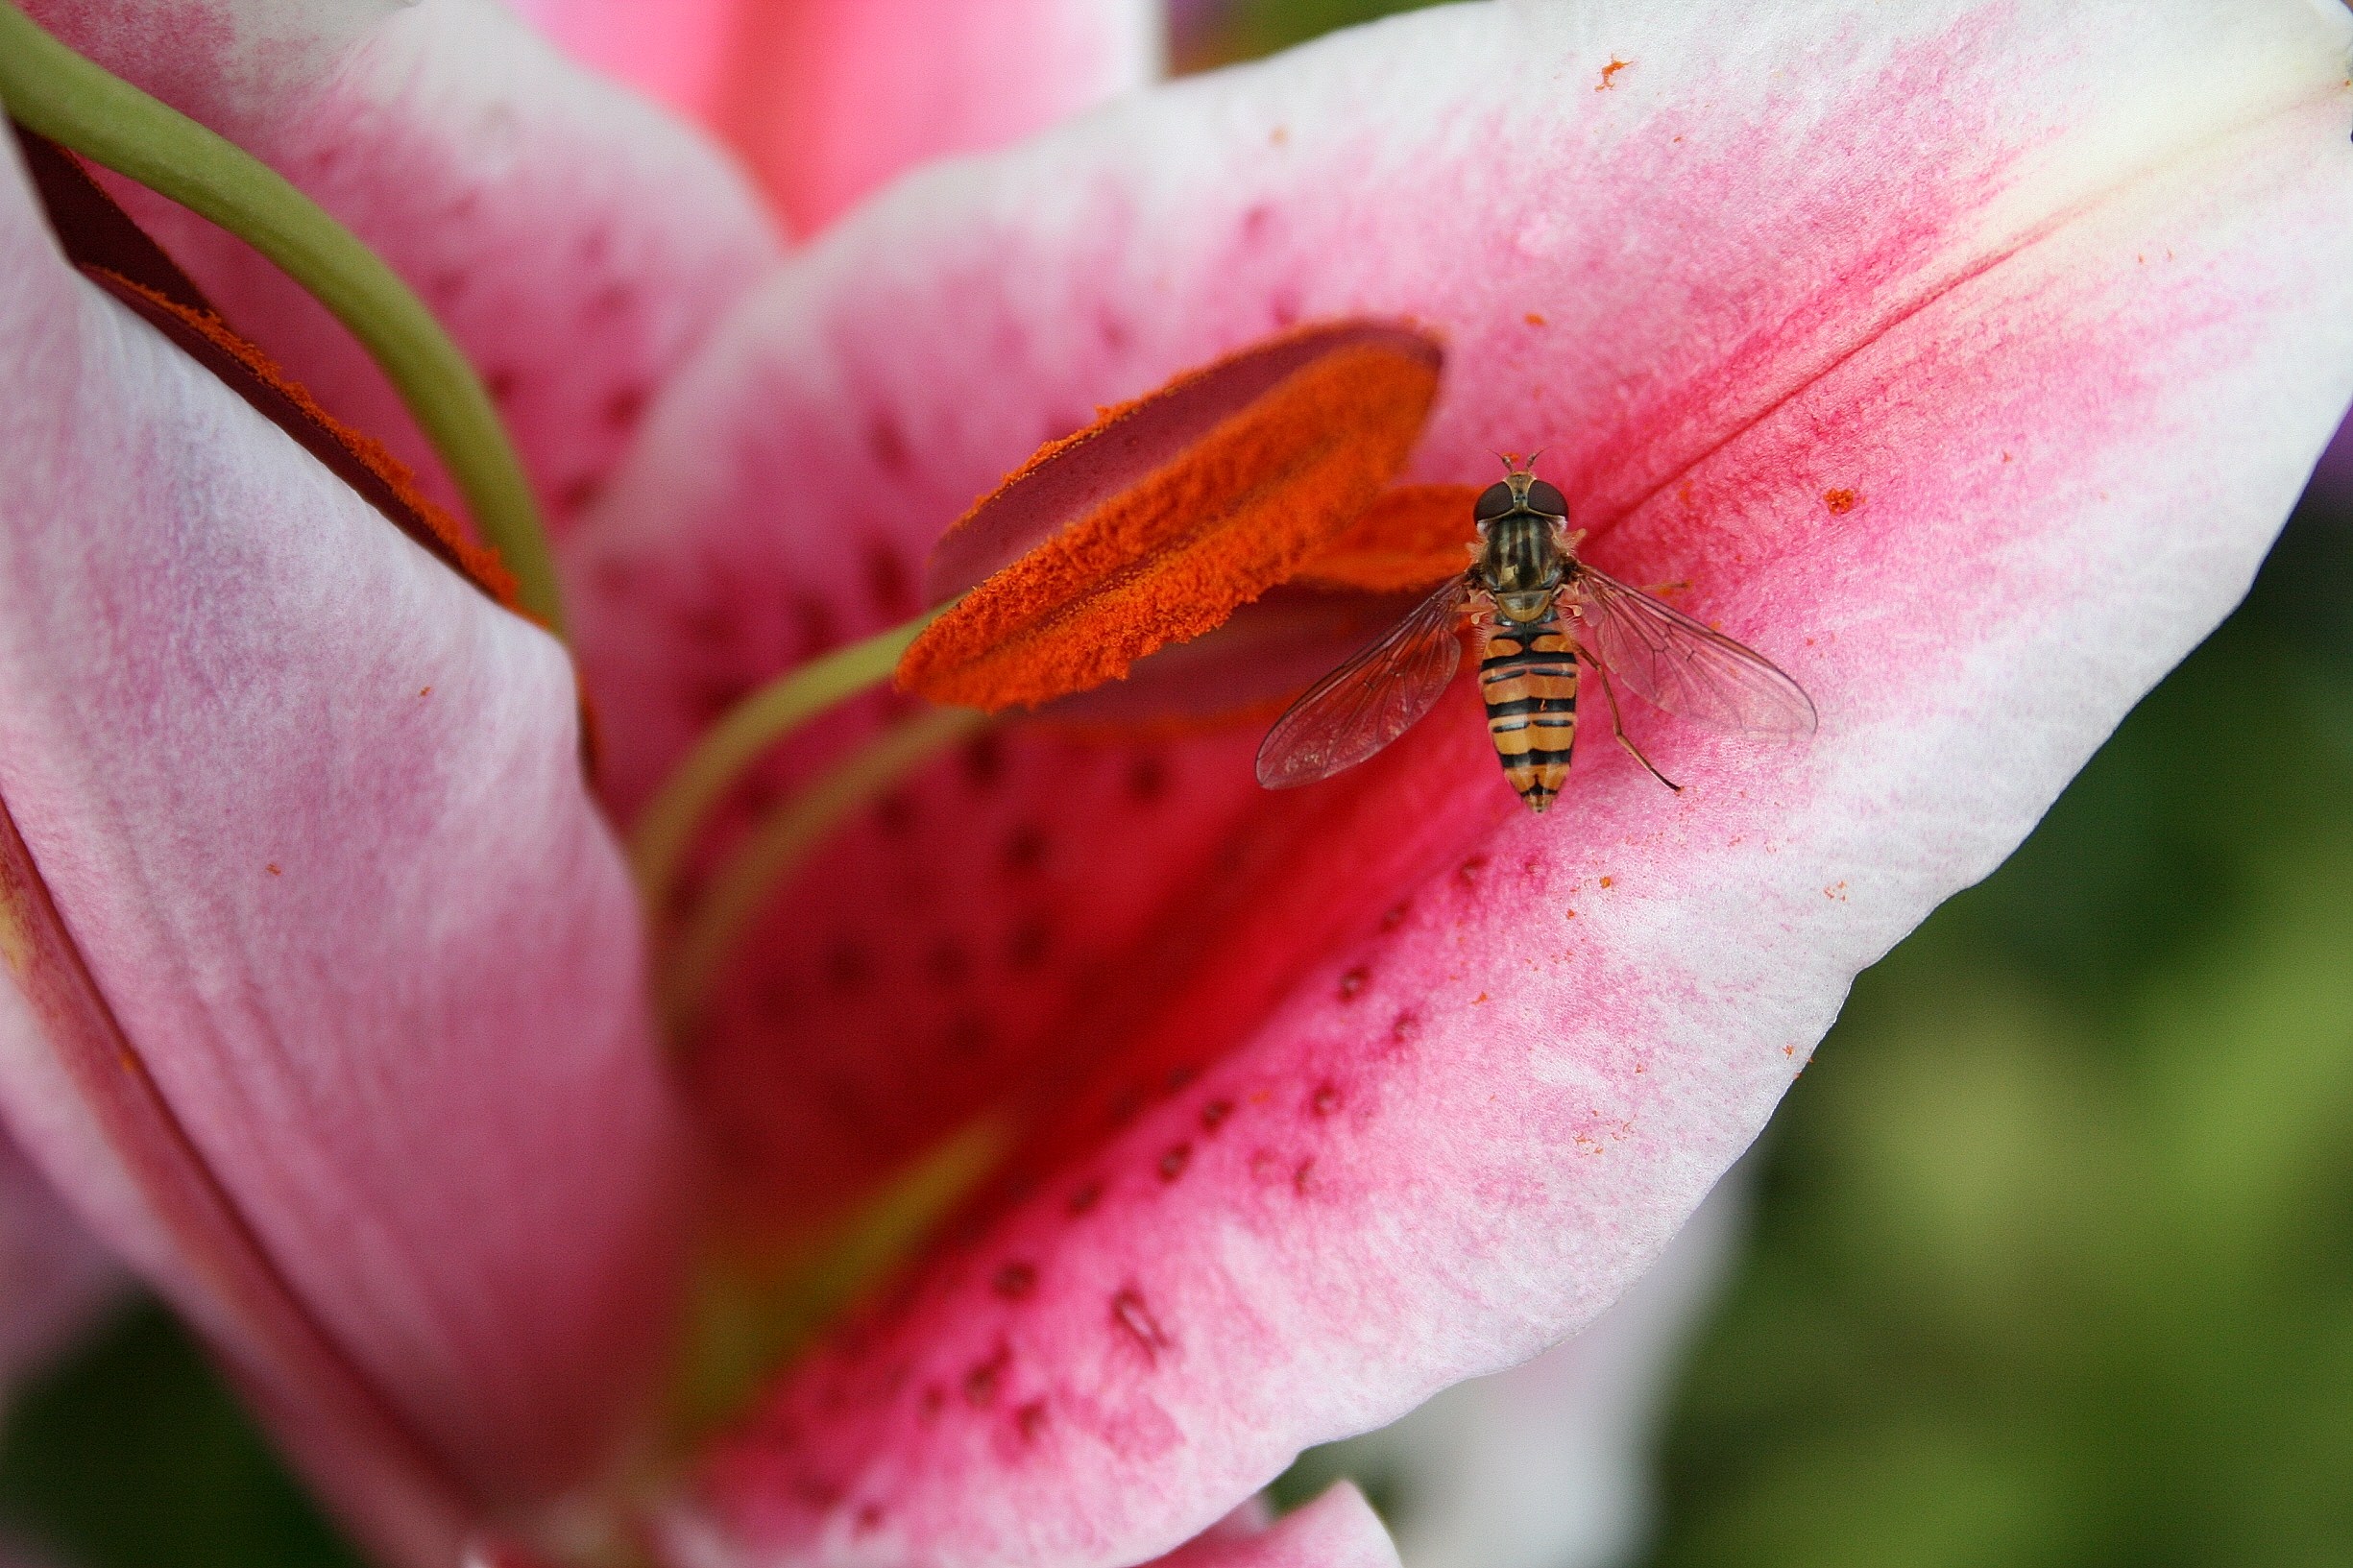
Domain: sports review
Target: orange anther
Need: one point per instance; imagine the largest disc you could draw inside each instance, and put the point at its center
(1413, 537)
(1155, 522)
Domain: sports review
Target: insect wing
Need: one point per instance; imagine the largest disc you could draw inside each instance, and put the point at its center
(1370, 700)
(1666, 657)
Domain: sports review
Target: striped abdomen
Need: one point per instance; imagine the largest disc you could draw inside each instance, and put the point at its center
(1528, 680)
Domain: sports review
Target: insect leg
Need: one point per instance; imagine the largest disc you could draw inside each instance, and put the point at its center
(1618, 725)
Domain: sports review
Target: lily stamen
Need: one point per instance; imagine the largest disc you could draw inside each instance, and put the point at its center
(1147, 529)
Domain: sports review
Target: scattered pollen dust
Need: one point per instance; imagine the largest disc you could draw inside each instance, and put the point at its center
(1608, 881)
(424, 691)
(1535, 318)
(271, 868)
(1480, 998)
(1840, 501)
(1609, 73)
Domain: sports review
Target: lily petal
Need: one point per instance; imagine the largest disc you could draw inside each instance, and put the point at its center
(577, 243)
(1548, 1465)
(1944, 370)
(829, 99)
(1337, 1529)
(53, 1275)
(329, 1010)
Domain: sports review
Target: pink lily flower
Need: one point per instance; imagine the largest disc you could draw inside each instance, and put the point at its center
(1939, 363)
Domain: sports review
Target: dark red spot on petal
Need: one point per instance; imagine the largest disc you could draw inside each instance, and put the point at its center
(848, 969)
(947, 963)
(1031, 1420)
(1130, 1312)
(887, 442)
(1147, 779)
(1025, 849)
(888, 583)
(968, 1035)
(1015, 1281)
(1215, 1112)
(1470, 869)
(814, 620)
(1394, 915)
(983, 761)
(1026, 948)
(612, 299)
(1404, 1027)
(1085, 1198)
(1174, 1161)
(895, 813)
(982, 1382)
(1325, 1099)
(624, 406)
(1353, 982)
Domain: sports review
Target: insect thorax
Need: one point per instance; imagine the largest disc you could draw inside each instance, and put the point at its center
(1520, 562)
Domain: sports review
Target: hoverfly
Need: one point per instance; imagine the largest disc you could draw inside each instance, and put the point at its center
(1538, 610)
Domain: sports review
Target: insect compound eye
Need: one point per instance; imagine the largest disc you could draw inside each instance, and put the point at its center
(1546, 499)
(1494, 503)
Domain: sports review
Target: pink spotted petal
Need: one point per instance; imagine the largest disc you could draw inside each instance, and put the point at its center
(577, 242)
(829, 99)
(328, 1008)
(1938, 363)
(1337, 1529)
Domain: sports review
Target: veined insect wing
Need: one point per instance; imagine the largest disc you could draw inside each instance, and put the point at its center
(1668, 659)
(1374, 698)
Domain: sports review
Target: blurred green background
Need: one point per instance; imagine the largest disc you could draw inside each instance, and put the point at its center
(2053, 1260)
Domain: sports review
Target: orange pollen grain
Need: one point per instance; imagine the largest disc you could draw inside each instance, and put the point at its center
(1839, 501)
(1174, 554)
(1415, 535)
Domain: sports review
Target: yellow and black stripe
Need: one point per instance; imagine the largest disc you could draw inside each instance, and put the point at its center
(1528, 680)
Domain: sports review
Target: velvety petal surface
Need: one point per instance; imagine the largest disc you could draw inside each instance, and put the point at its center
(829, 99)
(1963, 357)
(1337, 1529)
(328, 1008)
(575, 240)
(1550, 1464)
(53, 1275)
